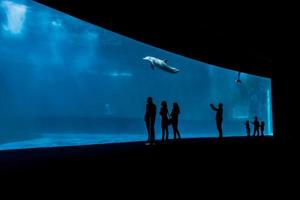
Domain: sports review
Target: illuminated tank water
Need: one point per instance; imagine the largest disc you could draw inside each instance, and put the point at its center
(66, 82)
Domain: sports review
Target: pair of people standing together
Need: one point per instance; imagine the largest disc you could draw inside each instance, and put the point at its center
(166, 120)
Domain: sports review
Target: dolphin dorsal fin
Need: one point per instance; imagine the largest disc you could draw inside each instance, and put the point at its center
(166, 60)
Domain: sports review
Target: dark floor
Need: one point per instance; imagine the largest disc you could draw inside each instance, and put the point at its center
(229, 154)
(197, 167)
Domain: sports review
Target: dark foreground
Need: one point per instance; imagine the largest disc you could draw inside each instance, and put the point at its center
(208, 162)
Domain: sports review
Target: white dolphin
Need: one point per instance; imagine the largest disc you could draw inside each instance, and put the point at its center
(161, 64)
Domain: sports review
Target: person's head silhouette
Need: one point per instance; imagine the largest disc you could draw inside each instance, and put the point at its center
(175, 105)
(255, 118)
(164, 104)
(149, 100)
(220, 105)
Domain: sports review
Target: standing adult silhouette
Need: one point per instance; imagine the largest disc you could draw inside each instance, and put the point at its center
(164, 121)
(150, 120)
(247, 124)
(256, 126)
(174, 120)
(219, 118)
(262, 128)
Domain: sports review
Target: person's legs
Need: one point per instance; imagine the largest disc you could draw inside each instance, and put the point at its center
(256, 132)
(179, 137)
(163, 134)
(148, 130)
(167, 132)
(152, 135)
(174, 131)
(219, 126)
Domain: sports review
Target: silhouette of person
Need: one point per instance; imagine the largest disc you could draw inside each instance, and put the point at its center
(150, 120)
(174, 120)
(262, 128)
(256, 126)
(247, 124)
(164, 120)
(219, 118)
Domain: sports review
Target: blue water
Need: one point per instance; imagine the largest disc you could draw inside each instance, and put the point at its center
(66, 82)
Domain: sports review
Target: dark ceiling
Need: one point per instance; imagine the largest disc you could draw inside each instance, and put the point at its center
(233, 36)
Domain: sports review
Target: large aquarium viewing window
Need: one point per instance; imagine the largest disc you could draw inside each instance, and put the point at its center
(66, 82)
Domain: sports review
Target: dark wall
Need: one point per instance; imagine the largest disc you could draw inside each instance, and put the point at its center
(285, 102)
(233, 36)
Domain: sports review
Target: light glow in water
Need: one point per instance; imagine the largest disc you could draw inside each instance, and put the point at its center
(15, 16)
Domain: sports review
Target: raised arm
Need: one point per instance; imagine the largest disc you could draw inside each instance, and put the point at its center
(213, 107)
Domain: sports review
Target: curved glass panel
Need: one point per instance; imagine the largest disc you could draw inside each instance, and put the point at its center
(66, 82)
